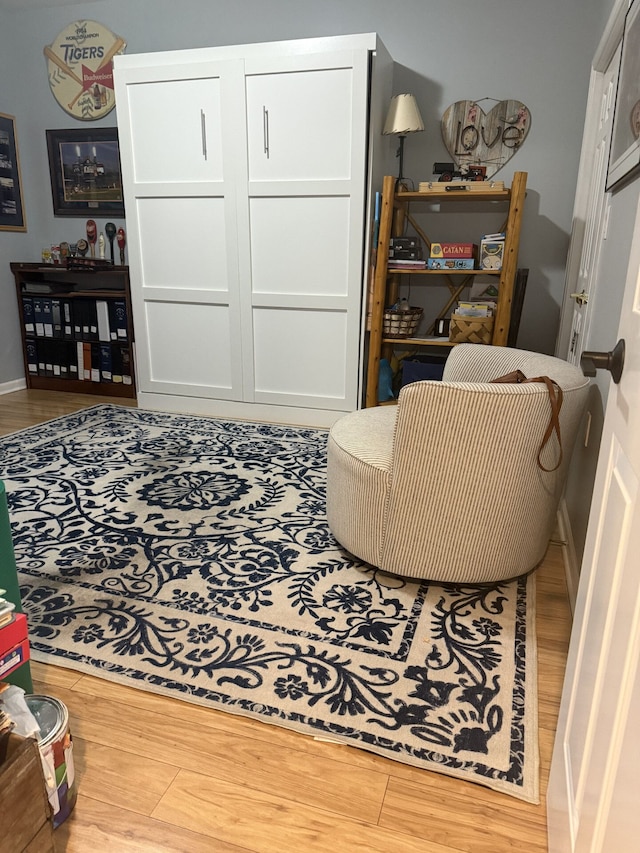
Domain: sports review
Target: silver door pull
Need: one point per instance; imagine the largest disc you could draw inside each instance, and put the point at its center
(203, 130)
(265, 130)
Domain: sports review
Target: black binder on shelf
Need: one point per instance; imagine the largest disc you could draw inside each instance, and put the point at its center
(127, 375)
(116, 365)
(32, 357)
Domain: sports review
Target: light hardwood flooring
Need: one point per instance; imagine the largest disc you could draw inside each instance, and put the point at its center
(157, 774)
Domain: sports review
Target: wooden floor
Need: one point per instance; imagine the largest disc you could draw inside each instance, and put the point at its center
(157, 774)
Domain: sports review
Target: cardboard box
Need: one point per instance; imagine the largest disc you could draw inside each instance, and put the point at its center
(450, 263)
(454, 250)
(491, 254)
(26, 813)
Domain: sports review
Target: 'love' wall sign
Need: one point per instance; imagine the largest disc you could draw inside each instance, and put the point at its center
(473, 137)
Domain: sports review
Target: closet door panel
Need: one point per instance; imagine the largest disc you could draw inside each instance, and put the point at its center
(299, 363)
(182, 140)
(177, 130)
(300, 245)
(299, 118)
(204, 362)
(307, 121)
(184, 243)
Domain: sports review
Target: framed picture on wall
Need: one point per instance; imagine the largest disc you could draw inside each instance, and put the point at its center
(624, 157)
(85, 172)
(11, 207)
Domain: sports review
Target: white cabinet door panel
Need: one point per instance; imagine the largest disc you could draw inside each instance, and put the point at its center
(182, 142)
(299, 357)
(300, 245)
(307, 156)
(299, 125)
(201, 365)
(304, 115)
(176, 128)
(184, 243)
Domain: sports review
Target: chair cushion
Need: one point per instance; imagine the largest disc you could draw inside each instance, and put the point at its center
(358, 469)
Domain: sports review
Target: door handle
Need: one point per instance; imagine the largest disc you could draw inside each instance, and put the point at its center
(265, 130)
(612, 361)
(581, 298)
(203, 132)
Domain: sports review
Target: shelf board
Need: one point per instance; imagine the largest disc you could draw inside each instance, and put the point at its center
(393, 271)
(448, 195)
(80, 386)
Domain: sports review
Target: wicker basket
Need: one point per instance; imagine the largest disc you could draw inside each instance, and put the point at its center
(470, 330)
(401, 324)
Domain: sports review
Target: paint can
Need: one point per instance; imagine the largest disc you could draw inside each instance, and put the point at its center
(56, 752)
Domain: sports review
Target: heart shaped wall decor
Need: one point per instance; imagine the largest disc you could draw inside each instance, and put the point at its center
(475, 138)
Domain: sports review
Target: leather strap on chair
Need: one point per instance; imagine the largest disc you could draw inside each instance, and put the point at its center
(555, 398)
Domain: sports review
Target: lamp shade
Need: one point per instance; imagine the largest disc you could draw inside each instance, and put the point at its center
(403, 116)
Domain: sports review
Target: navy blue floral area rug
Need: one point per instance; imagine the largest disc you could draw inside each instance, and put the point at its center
(191, 557)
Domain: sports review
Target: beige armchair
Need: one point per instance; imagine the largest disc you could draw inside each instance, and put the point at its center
(445, 486)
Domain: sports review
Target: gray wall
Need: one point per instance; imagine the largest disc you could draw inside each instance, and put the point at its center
(536, 52)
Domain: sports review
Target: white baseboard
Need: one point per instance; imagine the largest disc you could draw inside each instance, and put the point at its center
(569, 555)
(13, 385)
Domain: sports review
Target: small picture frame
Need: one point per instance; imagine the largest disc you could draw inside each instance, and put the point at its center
(12, 216)
(86, 178)
(624, 155)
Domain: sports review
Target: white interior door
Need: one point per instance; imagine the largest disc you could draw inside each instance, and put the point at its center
(592, 796)
(182, 141)
(598, 209)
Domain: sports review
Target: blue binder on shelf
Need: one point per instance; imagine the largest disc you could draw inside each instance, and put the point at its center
(105, 363)
(38, 316)
(119, 313)
(28, 319)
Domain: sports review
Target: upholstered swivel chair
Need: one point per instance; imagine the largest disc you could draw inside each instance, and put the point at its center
(446, 485)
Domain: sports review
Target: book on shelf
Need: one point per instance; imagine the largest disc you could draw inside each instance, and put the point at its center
(407, 265)
(475, 309)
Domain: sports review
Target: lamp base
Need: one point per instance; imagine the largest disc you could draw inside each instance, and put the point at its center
(400, 155)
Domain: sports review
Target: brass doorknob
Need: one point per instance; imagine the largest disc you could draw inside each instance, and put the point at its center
(612, 361)
(581, 298)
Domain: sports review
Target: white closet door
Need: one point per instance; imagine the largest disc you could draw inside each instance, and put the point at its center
(304, 209)
(181, 130)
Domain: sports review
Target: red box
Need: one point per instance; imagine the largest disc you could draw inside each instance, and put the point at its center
(14, 658)
(454, 250)
(12, 633)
